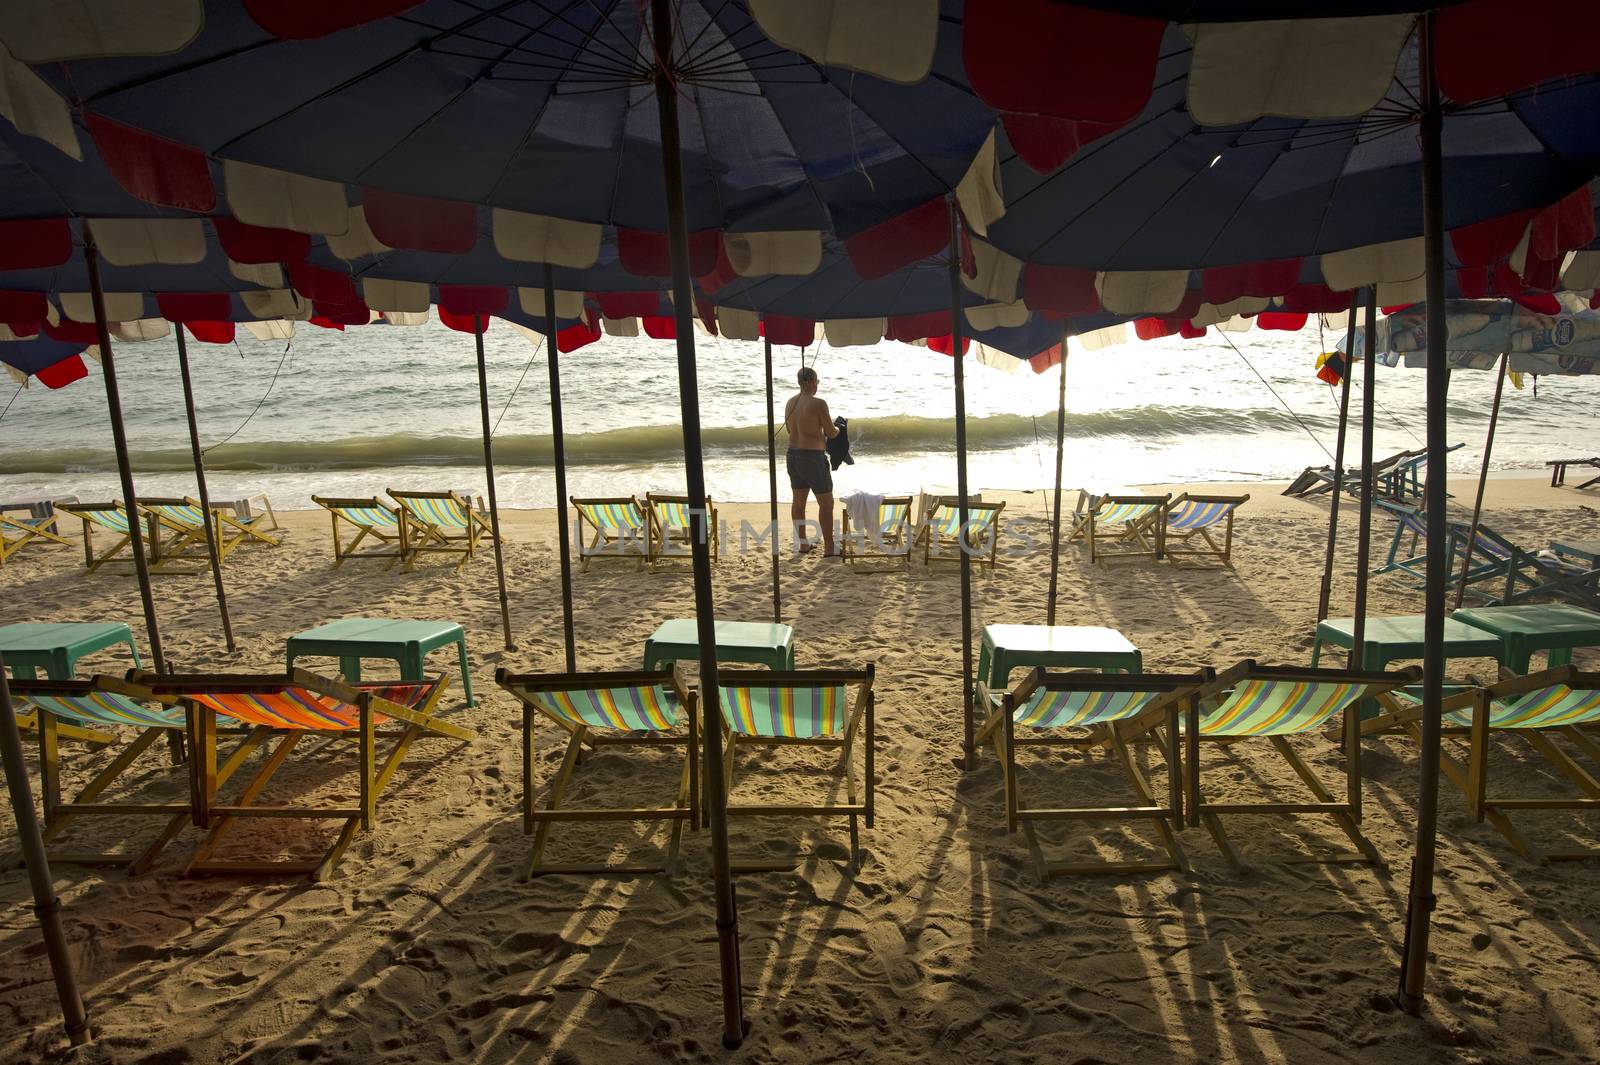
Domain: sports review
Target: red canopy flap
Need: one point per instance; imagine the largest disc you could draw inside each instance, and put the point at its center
(1315, 299)
(153, 168)
(302, 20)
(908, 327)
(320, 285)
(1488, 48)
(574, 337)
(1154, 328)
(708, 314)
(628, 304)
(63, 373)
(473, 299)
(194, 306)
(1224, 284)
(353, 312)
(1566, 225)
(463, 322)
(419, 223)
(799, 332)
(245, 243)
(1189, 331)
(900, 241)
(1047, 358)
(71, 332)
(659, 326)
(720, 275)
(1046, 144)
(944, 345)
(1543, 303)
(324, 322)
(1287, 321)
(23, 307)
(1483, 243)
(211, 332)
(1473, 282)
(1064, 289)
(34, 243)
(645, 253)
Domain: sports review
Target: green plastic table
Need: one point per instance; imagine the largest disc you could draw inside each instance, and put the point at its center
(751, 642)
(1005, 647)
(55, 647)
(1399, 639)
(406, 642)
(1529, 628)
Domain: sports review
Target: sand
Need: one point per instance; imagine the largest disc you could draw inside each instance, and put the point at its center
(427, 946)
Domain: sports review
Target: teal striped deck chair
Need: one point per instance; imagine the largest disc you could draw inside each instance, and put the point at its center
(1194, 523)
(1056, 709)
(186, 532)
(370, 518)
(890, 538)
(604, 711)
(943, 539)
(617, 528)
(670, 532)
(1251, 701)
(1125, 526)
(440, 523)
(822, 708)
(17, 533)
(112, 518)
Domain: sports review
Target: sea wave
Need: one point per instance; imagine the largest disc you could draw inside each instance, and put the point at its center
(887, 436)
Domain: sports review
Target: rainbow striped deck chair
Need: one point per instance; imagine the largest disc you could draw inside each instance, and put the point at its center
(942, 536)
(1133, 523)
(18, 533)
(670, 532)
(618, 528)
(1055, 709)
(1191, 523)
(826, 708)
(370, 517)
(287, 707)
(889, 539)
(1560, 703)
(112, 518)
(638, 709)
(1251, 701)
(186, 532)
(440, 523)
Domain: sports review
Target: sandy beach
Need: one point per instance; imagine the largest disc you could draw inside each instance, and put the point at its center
(427, 946)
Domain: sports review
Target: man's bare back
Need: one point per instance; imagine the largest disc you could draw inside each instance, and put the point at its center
(808, 421)
(810, 427)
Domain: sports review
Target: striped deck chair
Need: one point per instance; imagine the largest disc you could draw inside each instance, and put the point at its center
(891, 539)
(1114, 709)
(670, 532)
(183, 513)
(369, 517)
(17, 533)
(618, 526)
(942, 536)
(1250, 701)
(809, 708)
(606, 710)
(287, 708)
(1134, 521)
(1404, 481)
(1524, 574)
(1539, 707)
(1315, 480)
(112, 518)
(440, 523)
(1193, 520)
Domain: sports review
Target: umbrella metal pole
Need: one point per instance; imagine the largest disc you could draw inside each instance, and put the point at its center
(1421, 901)
(716, 799)
(772, 480)
(1055, 515)
(558, 440)
(1483, 480)
(967, 745)
(205, 492)
(119, 440)
(46, 906)
(488, 469)
(1326, 593)
(1364, 525)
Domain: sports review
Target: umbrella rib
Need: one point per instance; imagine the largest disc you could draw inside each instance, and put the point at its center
(711, 20)
(588, 36)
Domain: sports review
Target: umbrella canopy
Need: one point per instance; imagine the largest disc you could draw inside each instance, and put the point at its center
(1566, 343)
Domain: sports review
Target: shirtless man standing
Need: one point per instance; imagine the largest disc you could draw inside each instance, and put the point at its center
(810, 426)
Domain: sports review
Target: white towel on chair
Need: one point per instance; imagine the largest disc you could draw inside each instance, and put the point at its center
(862, 508)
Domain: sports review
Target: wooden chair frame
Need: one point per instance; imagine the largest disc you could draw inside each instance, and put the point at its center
(27, 531)
(1149, 532)
(1222, 552)
(1558, 471)
(394, 548)
(859, 800)
(229, 530)
(604, 538)
(1161, 718)
(539, 823)
(155, 523)
(424, 537)
(877, 545)
(373, 774)
(1346, 814)
(661, 537)
(970, 538)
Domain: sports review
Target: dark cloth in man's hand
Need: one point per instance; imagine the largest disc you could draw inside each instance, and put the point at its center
(839, 446)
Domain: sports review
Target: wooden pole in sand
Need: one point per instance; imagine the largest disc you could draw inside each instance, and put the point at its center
(1338, 462)
(1055, 515)
(1421, 901)
(956, 356)
(119, 441)
(200, 484)
(734, 1027)
(1364, 525)
(772, 481)
(45, 903)
(559, 441)
(488, 469)
(1483, 481)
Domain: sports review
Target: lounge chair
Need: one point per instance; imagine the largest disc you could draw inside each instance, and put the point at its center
(113, 518)
(1115, 709)
(1193, 519)
(889, 538)
(186, 533)
(943, 538)
(370, 517)
(289, 707)
(440, 523)
(619, 527)
(670, 532)
(1405, 480)
(1525, 574)
(1249, 701)
(1317, 480)
(1123, 519)
(1558, 471)
(807, 708)
(17, 533)
(606, 710)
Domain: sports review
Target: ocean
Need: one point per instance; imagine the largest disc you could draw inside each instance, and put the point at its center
(357, 412)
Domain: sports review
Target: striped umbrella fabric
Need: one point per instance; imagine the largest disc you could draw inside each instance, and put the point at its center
(792, 713)
(1192, 514)
(631, 708)
(1079, 709)
(106, 708)
(1267, 707)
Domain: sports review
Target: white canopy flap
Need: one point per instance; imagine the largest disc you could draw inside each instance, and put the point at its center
(1108, 337)
(569, 305)
(1399, 293)
(891, 39)
(853, 332)
(146, 241)
(1294, 68)
(537, 238)
(33, 106)
(278, 199)
(997, 273)
(45, 31)
(1237, 324)
(1216, 313)
(1141, 291)
(736, 324)
(620, 327)
(267, 275)
(1397, 260)
(382, 294)
(274, 303)
(1583, 272)
(120, 306)
(996, 359)
(792, 254)
(272, 329)
(979, 193)
(997, 315)
(1336, 320)
(407, 318)
(357, 240)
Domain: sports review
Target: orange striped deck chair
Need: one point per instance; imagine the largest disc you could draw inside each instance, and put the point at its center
(826, 708)
(288, 708)
(1251, 701)
(605, 710)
